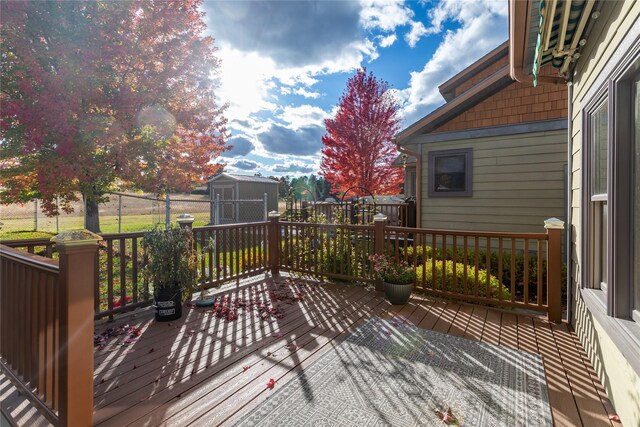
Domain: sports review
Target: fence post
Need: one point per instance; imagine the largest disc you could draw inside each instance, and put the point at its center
(77, 251)
(119, 213)
(217, 208)
(379, 221)
(554, 228)
(35, 215)
(167, 212)
(212, 210)
(274, 242)
(264, 207)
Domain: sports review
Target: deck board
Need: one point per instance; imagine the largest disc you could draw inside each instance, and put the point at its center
(201, 370)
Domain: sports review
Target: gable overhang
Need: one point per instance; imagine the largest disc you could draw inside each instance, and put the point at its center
(546, 32)
(447, 88)
(497, 81)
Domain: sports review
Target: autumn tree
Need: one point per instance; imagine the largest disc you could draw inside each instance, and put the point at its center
(104, 95)
(358, 147)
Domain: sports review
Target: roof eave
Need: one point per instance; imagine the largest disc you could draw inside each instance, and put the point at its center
(451, 109)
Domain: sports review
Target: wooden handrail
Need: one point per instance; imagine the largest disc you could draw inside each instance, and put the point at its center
(41, 302)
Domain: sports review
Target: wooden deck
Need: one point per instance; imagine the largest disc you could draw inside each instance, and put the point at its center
(202, 370)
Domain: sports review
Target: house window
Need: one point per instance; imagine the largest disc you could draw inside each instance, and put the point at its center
(599, 148)
(450, 173)
(611, 214)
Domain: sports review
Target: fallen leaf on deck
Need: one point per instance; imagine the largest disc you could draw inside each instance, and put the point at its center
(151, 351)
(277, 334)
(447, 417)
(271, 383)
(291, 347)
(245, 368)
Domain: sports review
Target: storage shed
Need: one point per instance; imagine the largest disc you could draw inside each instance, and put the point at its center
(235, 193)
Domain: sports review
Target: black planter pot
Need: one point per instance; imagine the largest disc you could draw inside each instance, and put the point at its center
(168, 303)
(397, 294)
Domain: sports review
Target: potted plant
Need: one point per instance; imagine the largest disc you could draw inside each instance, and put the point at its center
(397, 277)
(171, 268)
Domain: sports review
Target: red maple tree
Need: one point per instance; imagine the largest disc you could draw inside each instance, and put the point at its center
(104, 95)
(358, 148)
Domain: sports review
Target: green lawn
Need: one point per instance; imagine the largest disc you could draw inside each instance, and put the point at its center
(16, 228)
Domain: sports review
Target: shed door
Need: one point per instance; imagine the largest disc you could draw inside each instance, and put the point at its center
(227, 208)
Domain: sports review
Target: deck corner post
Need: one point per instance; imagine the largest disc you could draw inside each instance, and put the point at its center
(77, 251)
(379, 221)
(274, 242)
(554, 228)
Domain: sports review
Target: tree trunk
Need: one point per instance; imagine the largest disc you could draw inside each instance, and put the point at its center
(91, 217)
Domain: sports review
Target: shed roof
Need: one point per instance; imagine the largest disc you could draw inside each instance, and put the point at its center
(244, 178)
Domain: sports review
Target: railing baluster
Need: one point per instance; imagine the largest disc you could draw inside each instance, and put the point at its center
(500, 284)
(465, 260)
(539, 272)
(513, 269)
(110, 274)
(123, 271)
(488, 267)
(134, 269)
(526, 271)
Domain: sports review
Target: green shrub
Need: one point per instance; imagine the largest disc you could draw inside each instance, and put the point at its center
(455, 282)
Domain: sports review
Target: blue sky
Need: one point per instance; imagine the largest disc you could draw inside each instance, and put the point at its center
(286, 63)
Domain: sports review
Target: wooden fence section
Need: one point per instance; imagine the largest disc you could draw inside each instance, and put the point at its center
(398, 214)
(231, 252)
(41, 302)
(506, 269)
(520, 270)
(336, 251)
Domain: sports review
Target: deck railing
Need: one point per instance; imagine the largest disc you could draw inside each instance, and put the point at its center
(501, 269)
(41, 298)
(41, 301)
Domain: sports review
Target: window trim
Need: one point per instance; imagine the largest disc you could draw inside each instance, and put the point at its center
(614, 84)
(468, 172)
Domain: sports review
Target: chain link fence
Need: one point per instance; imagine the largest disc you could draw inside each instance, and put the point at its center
(124, 212)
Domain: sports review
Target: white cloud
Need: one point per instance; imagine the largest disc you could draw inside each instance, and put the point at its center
(384, 14)
(415, 34)
(484, 27)
(307, 94)
(303, 115)
(245, 81)
(388, 40)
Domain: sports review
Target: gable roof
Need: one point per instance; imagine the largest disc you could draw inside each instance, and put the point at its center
(448, 88)
(472, 96)
(243, 178)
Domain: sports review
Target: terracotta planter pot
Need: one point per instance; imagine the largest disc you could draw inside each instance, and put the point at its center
(397, 294)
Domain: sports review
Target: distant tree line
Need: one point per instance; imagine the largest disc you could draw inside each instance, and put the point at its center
(312, 188)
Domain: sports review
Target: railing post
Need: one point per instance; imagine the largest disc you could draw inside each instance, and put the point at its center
(167, 212)
(185, 220)
(274, 242)
(379, 221)
(554, 228)
(77, 251)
